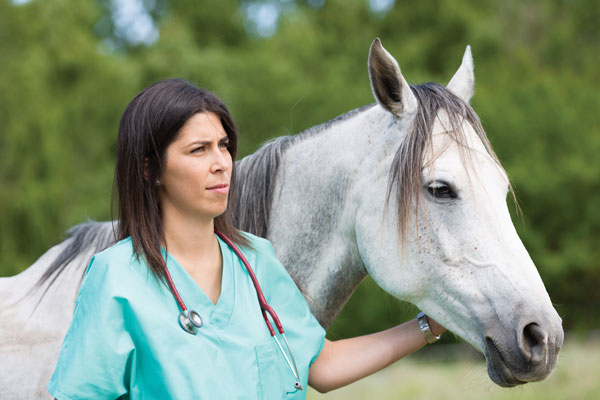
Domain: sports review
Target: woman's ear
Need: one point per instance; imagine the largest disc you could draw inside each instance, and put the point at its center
(157, 182)
(146, 168)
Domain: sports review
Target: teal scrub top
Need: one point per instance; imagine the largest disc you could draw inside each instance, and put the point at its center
(125, 340)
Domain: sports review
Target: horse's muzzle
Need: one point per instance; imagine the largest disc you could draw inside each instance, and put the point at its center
(530, 357)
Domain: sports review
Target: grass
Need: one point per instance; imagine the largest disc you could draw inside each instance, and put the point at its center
(576, 377)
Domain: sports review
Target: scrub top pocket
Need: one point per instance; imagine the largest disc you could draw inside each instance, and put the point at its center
(276, 381)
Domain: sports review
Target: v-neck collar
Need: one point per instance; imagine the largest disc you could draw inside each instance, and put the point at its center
(194, 297)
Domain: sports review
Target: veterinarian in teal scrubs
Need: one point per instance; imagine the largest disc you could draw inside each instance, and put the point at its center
(173, 174)
(135, 328)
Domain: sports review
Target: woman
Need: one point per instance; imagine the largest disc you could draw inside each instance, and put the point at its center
(174, 173)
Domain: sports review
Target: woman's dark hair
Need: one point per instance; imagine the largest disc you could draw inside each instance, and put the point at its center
(150, 122)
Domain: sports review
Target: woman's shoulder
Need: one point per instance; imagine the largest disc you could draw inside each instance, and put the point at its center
(116, 269)
(118, 259)
(120, 252)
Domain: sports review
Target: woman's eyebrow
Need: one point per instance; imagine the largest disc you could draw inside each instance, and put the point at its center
(207, 141)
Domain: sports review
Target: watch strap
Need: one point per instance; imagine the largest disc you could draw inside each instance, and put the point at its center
(426, 329)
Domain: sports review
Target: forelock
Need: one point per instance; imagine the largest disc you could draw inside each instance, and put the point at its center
(407, 166)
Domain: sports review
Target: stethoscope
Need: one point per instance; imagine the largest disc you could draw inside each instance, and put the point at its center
(190, 320)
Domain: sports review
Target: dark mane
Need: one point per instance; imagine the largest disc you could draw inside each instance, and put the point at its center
(255, 176)
(83, 240)
(253, 201)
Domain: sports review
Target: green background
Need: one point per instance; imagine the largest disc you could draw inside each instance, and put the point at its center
(68, 69)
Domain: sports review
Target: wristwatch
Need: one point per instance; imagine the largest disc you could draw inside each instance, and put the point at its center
(424, 326)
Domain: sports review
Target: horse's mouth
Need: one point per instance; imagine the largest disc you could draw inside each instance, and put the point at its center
(498, 369)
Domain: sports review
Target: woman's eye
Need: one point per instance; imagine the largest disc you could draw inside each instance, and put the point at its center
(198, 149)
(441, 191)
(224, 145)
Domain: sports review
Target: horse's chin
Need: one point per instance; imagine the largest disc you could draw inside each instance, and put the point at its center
(499, 370)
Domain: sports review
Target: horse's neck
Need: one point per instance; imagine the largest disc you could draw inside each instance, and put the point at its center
(313, 208)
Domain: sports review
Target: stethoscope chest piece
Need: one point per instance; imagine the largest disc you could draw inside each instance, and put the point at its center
(190, 321)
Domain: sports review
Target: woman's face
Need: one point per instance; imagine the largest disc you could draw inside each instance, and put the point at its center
(196, 175)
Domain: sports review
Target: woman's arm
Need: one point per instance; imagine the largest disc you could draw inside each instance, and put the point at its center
(346, 361)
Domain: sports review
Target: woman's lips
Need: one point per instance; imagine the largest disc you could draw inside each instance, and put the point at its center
(220, 189)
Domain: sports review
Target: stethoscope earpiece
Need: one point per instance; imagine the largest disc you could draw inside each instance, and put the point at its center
(190, 321)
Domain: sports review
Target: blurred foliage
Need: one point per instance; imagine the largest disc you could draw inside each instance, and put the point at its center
(66, 74)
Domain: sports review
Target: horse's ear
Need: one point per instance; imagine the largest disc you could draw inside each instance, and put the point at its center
(462, 83)
(387, 83)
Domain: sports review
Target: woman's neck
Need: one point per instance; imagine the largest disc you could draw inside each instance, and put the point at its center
(188, 238)
(195, 246)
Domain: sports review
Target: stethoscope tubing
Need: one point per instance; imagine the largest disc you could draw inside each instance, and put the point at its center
(178, 298)
(264, 306)
(190, 320)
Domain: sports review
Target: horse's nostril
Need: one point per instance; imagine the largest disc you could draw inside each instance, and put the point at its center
(535, 343)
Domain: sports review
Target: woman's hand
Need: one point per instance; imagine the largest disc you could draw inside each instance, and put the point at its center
(345, 361)
(436, 328)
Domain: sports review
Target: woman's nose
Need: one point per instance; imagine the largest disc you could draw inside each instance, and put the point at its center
(221, 160)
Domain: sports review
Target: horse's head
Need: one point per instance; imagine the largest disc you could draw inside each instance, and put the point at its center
(447, 243)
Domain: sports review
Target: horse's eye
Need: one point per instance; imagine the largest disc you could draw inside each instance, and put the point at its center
(441, 190)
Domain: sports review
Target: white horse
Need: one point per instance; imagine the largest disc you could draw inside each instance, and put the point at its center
(407, 190)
